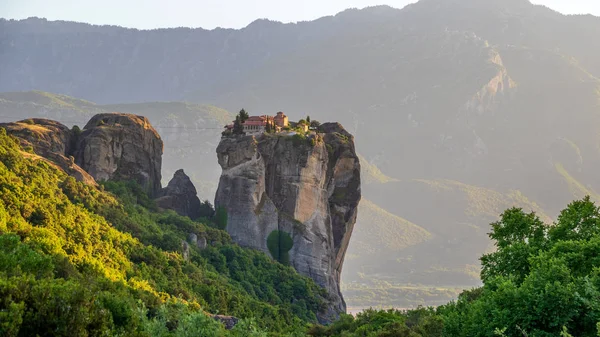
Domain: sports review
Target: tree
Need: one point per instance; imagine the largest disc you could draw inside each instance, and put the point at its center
(221, 218)
(206, 209)
(279, 244)
(243, 116)
(238, 126)
(315, 124)
(269, 127)
(517, 236)
(308, 119)
(579, 221)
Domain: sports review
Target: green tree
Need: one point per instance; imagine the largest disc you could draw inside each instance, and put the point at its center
(579, 221)
(518, 236)
(243, 116)
(279, 244)
(206, 210)
(238, 126)
(221, 218)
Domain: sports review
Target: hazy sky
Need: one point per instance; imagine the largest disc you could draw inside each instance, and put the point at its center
(212, 13)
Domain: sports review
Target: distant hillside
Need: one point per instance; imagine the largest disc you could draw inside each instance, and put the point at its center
(460, 108)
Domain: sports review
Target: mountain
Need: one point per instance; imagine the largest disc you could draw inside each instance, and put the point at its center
(451, 102)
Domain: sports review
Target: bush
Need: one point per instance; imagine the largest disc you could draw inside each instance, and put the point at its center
(279, 244)
(221, 218)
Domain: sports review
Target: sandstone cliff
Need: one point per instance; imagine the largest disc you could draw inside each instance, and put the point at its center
(294, 198)
(121, 147)
(111, 147)
(181, 196)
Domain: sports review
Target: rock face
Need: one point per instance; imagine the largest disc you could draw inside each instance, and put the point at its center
(181, 196)
(294, 198)
(111, 147)
(121, 147)
(228, 321)
(52, 141)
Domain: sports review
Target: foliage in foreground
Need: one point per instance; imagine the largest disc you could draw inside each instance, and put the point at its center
(80, 261)
(76, 260)
(542, 281)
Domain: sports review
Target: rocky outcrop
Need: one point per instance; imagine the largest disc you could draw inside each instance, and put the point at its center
(228, 321)
(121, 147)
(51, 140)
(294, 198)
(111, 147)
(181, 196)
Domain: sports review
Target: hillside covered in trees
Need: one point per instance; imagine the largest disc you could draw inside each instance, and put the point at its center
(543, 280)
(78, 260)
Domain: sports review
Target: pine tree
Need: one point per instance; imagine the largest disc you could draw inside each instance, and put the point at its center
(243, 116)
(238, 126)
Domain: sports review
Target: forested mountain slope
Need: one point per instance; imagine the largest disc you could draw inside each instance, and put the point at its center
(81, 260)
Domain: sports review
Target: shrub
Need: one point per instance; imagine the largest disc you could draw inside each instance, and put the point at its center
(279, 244)
(221, 218)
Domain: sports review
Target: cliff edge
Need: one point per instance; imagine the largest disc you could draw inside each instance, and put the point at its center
(294, 197)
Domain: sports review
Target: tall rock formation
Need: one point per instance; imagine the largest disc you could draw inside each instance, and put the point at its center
(181, 196)
(294, 198)
(121, 147)
(111, 147)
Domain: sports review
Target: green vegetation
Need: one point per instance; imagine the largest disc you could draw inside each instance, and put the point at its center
(279, 244)
(541, 281)
(238, 124)
(343, 138)
(78, 260)
(301, 138)
(221, 218)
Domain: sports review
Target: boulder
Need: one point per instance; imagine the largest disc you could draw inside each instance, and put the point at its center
(180, 195)
(228, 321)
(121, 147)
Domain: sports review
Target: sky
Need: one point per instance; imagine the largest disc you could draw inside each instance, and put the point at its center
(148, 14)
